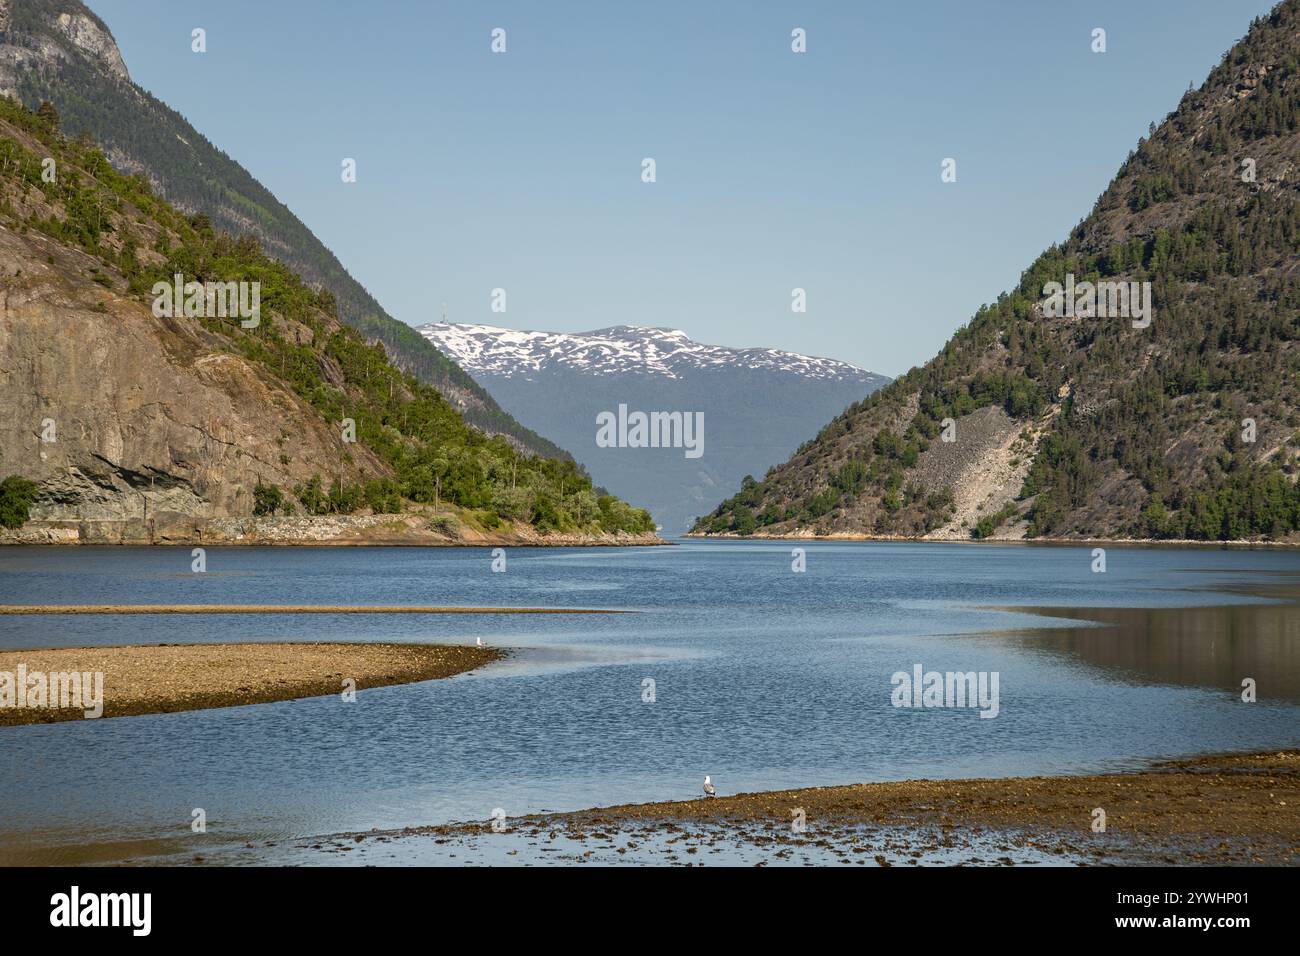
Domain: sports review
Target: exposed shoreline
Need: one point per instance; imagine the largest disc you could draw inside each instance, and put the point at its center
(1027, 542)
(409, 529)
(169, 678)
(1229, 809)
(32, 609)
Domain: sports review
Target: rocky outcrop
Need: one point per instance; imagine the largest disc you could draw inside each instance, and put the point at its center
(145, 430)
(92, 38)
(68, 34)
(123, 417)
(59, 51)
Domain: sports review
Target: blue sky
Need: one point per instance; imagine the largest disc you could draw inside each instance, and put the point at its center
(775, 170)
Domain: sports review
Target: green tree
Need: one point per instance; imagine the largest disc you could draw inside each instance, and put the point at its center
(267, 499)
(16, 497)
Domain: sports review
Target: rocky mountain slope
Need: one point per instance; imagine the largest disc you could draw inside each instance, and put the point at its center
(1043, 420)
(756, 403)
(138, 422)
(60, 51)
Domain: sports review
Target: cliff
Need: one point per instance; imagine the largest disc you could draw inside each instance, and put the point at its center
(142, 426)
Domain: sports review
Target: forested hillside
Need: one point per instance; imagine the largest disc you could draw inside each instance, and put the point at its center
(1087, 426)
(59, 51)
(84, 247)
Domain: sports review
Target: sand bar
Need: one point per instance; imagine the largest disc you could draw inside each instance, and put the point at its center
(1236, 809)
(165, 678)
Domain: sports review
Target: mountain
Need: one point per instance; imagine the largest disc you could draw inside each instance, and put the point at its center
(1105, 421)
(60, 51)
(756, 403)
(238, 409)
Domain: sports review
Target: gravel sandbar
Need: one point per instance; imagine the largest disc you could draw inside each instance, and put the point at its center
(164, 678)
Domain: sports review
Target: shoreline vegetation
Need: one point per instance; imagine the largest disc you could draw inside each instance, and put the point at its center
(1224, 809)
(169, 678)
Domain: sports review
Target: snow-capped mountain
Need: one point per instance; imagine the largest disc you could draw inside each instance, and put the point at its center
(618, 350)
(755, 405)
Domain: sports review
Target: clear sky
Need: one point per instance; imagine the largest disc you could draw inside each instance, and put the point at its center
(775, 170)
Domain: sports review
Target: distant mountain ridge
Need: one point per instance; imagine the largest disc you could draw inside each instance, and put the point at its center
(617, 350)
(60, 51)
(757, 403)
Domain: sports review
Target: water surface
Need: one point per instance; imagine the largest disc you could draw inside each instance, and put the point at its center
(763, 678)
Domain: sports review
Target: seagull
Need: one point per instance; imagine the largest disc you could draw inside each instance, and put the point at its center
(478, 642)
(709, 789)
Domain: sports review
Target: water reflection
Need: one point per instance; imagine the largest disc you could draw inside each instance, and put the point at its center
(1215, 647)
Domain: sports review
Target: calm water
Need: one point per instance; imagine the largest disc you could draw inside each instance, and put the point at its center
(764, 679)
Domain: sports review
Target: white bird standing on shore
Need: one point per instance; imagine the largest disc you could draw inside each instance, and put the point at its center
(709, 789)
(478, 642)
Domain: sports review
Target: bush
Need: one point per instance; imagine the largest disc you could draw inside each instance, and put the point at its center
(444, 524)
(16, 497)
(383, 496)
(990, 523)
(267, 499)
(744, 519)
(312, 496)
(345, 499)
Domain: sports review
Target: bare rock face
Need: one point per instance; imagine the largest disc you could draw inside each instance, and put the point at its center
(61, 52)
(121, 417)
(58, 36)
(88, 36)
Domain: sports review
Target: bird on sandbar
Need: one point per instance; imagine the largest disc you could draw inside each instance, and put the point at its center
(478, 642)
(709, 789)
